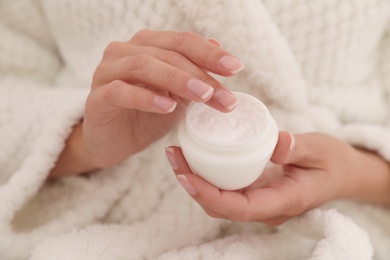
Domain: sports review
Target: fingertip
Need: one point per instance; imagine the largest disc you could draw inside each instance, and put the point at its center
(205, 191)
(225, 99)
(292, 141)
(172, 157)
(166, 104)
(215, 42)
(187, 186)
(231, 64)
(200, 89)
(177, 160)
(283, 148)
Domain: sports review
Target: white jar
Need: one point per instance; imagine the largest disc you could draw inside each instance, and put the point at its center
(229, 150)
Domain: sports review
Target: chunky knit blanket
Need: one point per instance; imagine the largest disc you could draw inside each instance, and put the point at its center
(319, 65)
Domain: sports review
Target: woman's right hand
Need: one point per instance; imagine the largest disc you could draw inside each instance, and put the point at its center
(308, 170)
(140, 91)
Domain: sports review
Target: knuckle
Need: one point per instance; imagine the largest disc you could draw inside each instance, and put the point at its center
(170, 74)
(97, 78)
(183, 39)
(135, 97)
(171, 57)
(112, 48)
(140, 35)
(136, 62)
(100, 70)
(110, 91)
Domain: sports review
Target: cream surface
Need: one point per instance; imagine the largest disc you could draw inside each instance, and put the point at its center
(240, 126)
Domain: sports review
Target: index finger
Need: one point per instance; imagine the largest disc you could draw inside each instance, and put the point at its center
(196, 48)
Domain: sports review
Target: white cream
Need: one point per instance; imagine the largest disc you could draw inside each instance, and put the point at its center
(239, 126)
(230, 150)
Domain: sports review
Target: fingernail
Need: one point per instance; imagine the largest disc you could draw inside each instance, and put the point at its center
(200, 89)
(226, 99)
(165, 103)
(186, 184)
(292, 141)
(231, 64)
(171, 156)
(215, 42)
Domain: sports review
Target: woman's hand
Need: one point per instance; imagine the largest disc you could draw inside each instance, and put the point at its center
(139, 92)
(308, 171)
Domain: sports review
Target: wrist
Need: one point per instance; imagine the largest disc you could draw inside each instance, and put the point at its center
(74, 158)
(372, 178)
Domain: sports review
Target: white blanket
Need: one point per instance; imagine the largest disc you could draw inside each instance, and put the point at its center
(319, 65)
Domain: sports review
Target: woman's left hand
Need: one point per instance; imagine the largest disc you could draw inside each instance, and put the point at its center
(308, 170)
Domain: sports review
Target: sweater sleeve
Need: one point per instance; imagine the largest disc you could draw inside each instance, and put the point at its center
(32, 108)
(40, 101)
(375, 137)
(36, 115)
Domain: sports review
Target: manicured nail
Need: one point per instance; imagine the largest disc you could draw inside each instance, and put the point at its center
(171, 156)
(200, 89)
(292, 141)
(165, 103)
(226, 99)
(231, 64)
(186, 184)
(215, 42)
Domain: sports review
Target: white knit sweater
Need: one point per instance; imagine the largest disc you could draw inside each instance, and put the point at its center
(320, 65)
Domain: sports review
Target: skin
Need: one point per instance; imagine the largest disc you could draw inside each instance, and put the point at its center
(309, 170)
(140, 91)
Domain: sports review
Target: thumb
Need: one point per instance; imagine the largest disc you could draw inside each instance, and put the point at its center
(283, 148)
(294, 150)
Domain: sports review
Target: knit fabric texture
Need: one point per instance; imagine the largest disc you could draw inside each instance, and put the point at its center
(319, 65)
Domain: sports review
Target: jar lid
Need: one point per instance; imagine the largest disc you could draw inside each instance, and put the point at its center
(245, 126)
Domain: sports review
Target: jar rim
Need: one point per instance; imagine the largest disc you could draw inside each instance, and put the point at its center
(217, 142)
